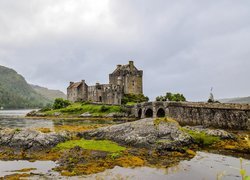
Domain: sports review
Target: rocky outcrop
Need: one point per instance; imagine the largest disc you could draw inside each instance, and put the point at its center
(212, 132)
(30, 139)
(143, 133)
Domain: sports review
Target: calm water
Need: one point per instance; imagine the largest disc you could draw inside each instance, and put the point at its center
(9, 167)
(202, 166)
(16, 119)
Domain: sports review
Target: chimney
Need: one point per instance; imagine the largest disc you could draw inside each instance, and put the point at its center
(71, 83)
(118, 66)
(83, 81)
(131, 64)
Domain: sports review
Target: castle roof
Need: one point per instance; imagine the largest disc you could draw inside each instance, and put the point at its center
(75, 85)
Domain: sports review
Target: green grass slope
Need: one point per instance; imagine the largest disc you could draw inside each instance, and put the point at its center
(16, 93)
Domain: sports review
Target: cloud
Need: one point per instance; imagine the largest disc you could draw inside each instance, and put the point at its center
(182, 46)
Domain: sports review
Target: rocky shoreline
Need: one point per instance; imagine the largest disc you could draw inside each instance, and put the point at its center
(148, 142)
(160, 134)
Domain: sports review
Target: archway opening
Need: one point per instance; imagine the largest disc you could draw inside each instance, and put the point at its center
(139, 113)
(149, 113)
(161, 113)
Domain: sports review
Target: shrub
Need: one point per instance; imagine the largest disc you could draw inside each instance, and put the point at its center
(171, 97)
(136, 98)
(104, 108)
(60, 103)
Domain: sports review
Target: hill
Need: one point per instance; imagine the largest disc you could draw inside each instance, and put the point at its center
(245, 100)
(16, 93)
(48, 93)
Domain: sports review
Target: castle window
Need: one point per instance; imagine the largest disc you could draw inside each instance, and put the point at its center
(133, 83)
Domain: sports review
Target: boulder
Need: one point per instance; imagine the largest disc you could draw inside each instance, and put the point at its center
(212, 132)
(30, 139)
(143, 133)
(87, 114)
(116, 115)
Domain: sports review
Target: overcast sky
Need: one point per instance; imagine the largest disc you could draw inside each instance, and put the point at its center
(185, 46)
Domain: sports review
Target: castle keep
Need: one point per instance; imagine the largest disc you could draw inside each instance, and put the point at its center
(126, 79)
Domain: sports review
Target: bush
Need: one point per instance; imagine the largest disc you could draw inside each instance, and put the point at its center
(171, 97)
(135, 98)
(104, 108)
(60, 103)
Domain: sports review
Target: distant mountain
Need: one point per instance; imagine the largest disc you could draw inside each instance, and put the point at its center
(245, 100)
(16, 93)
(48, 93)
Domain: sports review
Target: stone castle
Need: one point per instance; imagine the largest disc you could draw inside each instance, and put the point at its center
(126, 79)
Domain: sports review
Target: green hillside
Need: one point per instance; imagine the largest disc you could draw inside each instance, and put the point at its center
(16, 93)
(49, 93)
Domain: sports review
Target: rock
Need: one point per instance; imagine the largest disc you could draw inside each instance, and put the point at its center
(30, 139)
(143, 133)
(32, 113)
(212, 132)
(87, 114)
(39, 114)
(116, 115)
(57, 114)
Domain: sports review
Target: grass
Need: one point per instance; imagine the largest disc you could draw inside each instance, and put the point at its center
(80, 108)
(131, 103)
(99, 145)
(201, 138)
(157, 121)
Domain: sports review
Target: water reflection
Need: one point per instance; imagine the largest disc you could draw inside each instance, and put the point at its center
(9, 167)
(202, 166)
(15, 119)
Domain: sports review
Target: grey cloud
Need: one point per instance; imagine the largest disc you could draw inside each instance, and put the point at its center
(182, 46)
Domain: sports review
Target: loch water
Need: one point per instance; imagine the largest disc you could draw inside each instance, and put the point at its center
(203, 166)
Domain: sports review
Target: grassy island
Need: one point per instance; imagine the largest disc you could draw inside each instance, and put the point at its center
(81, 110)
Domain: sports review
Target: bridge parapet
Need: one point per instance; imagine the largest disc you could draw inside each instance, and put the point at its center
(220, 115)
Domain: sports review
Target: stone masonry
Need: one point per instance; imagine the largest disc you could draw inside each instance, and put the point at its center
(217, 115)
(126, 79)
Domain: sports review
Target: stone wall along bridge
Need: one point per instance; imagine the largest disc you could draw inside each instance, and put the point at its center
(218, 115)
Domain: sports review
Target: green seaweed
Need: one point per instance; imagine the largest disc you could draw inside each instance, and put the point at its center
(201, 138)
(100, 145)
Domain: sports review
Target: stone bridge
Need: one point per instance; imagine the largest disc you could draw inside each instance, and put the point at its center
(218, 115)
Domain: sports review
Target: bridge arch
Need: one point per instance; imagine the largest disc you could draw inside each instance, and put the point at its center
(160, 112)
(139, 113)
(149, 113)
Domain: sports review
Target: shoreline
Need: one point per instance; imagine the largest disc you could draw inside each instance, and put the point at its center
(125, 119)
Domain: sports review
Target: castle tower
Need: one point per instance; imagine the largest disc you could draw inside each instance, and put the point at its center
(129, 77)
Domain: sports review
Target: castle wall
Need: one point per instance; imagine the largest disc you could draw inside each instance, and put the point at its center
(133, 83)
(105, 93)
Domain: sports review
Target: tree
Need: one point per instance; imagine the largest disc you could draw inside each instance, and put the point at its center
(136, 98)
(60, 103)
(171, 97)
